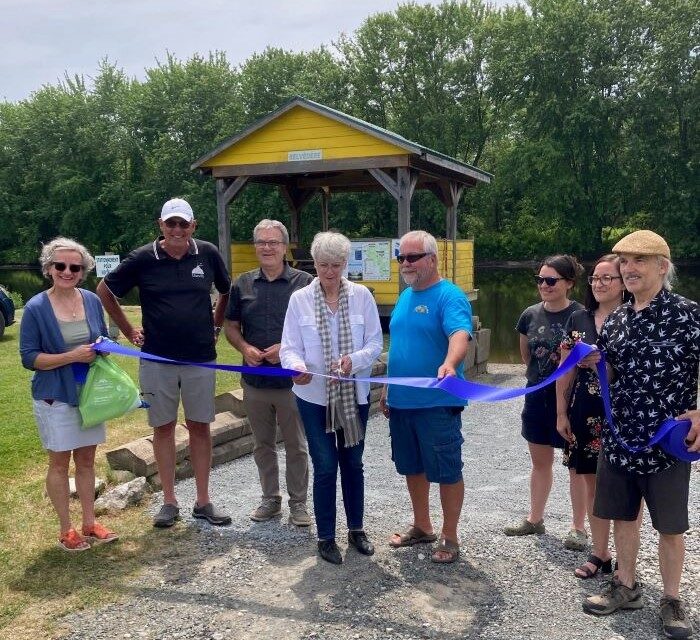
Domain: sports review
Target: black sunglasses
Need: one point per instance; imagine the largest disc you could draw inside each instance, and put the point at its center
(411, 257)
(550, 280)
(171, 224)
(61, 266)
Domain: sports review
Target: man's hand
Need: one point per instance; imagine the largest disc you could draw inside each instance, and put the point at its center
(693, 437)
(446, 370)
(564, 428)
(272, 354)
(136, 336)
(252, 356)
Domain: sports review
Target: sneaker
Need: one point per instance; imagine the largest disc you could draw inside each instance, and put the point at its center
(269, 508)
(72, 541)
(614, 596)
(674, 618)
(97, 533)
(576, 540)
(525, 528)
(298, 515)
(211, 514)
(167, 516)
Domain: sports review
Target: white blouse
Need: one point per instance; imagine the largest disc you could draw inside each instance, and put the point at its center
(301, 343)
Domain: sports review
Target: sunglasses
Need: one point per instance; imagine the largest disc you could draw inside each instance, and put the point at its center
(73, 268)
(604, 280)
(411, 257)
(551, 281)
(171, 224)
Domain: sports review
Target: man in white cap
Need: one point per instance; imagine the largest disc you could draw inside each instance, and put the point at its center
(652, 349)
(174, 275)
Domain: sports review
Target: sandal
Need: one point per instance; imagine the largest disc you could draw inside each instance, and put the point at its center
(72, 541)
(99, 534)
(411, 536)
(448, 547)
(603, 565)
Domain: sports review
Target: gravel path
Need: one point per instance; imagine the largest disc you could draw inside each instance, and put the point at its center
(264, 580)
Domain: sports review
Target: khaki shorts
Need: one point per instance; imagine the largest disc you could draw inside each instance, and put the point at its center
(163, 385)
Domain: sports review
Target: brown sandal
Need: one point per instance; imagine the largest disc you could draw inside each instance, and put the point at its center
(411, 536)
(448, 547)
(603, 565)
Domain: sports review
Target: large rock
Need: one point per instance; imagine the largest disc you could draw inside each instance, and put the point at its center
(122, 496)
(99, 487)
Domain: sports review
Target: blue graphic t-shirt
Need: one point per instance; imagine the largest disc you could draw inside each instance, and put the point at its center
(421, 325)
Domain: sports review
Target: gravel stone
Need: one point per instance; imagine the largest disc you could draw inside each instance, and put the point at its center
(264, 580)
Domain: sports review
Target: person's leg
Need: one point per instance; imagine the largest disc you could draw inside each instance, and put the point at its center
(84, 459)
(200, 457)
(57, 487)
(541, 478)
(263, 424)
(419, 491)
(600, 530)
(295, 447)
(352, 478)
(451, 498)
(626, 533)
(579, 499)
(164, 452)
(671, 557)
(324, 456)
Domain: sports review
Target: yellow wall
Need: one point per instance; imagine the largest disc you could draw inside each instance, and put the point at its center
(300, 129)
(385, 291)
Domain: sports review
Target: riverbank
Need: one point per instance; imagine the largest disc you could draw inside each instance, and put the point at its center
(264, 580)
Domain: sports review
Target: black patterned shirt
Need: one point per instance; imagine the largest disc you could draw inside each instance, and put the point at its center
(654, 355)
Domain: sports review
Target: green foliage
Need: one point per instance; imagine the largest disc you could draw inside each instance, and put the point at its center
(583, 110)
(16, 299)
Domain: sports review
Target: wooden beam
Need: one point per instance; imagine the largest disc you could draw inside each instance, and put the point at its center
(224, 225)
(384, 179)
(406, 182)
(325, 201)
(234, 189)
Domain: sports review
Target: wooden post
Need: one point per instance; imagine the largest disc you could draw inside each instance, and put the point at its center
(226, 191)
(325, 200)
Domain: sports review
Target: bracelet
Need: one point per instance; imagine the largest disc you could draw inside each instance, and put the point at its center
(217, 330)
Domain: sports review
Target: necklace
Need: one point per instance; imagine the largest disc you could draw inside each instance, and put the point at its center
(74, 306)
(332, 301)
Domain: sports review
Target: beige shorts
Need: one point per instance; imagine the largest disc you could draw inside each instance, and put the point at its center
(163, 385)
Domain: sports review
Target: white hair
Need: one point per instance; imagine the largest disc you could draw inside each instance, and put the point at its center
(670, 275)
(329, 245)
(49, 250)
(271, 224)
(428, 241)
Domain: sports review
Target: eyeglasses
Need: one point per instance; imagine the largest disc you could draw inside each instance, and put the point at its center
(551, 281)
(73, 268)
(604, 280)
(171, 224)
(411, 257)
(273, 244)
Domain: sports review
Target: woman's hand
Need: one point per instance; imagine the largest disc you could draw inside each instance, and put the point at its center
(304, 377)
(83, 353)
(590, 361)
(564, 428)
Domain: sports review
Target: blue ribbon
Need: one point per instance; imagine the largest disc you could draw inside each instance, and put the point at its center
(670, 435)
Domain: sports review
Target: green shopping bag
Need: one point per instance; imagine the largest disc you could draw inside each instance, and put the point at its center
(108, 393)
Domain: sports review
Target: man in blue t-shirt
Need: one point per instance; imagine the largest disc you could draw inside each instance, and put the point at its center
(430, 330)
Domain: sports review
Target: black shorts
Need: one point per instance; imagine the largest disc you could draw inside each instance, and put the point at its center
(539, 418)
(619, 493)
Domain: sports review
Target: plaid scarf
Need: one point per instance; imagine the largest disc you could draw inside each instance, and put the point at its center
(341, 402)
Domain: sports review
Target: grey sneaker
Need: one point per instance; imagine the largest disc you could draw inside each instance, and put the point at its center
(576, 540)
(525, 528)
(674, 618)
(211, 514)
(269, 508)
(167, 516)
(298, 515)
(614, 596)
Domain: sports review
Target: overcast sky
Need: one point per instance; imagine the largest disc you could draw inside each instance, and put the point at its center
(42, 39)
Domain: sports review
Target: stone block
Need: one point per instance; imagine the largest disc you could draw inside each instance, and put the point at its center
(184, 469)
(182, 442)
(230, 401)
(135, 456)
(233, 449)
(470, 358)
(378, 368)
(226, 427)
(483, 345)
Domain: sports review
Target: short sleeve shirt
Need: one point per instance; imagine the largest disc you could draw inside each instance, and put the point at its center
(654, 355)
(420, 329)
(545, 331)
(178, 321)
(260, 305)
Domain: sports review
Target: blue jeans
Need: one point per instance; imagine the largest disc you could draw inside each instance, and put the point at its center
(328, 452)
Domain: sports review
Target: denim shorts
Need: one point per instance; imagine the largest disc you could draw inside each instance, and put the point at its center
(427, 441)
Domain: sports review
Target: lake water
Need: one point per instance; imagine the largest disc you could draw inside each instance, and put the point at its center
(503, 294)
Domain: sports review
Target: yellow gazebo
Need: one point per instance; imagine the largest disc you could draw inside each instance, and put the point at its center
(304, 148)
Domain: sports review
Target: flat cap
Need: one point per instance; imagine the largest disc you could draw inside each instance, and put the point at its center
(643, 243)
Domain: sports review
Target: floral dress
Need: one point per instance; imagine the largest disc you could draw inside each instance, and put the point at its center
(586, 413)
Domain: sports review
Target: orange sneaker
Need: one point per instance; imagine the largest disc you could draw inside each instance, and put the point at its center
(99, 534)
(71, 541)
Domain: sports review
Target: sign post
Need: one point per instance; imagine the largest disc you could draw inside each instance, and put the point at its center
(103, 265)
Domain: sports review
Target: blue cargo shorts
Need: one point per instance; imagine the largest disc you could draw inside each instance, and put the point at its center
(427, 441)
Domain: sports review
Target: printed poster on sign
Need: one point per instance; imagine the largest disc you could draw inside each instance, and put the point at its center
(369, 261)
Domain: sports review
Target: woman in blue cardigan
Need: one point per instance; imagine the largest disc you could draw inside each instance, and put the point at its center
(57, 330)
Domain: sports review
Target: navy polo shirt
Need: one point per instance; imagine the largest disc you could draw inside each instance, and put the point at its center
(178, 321)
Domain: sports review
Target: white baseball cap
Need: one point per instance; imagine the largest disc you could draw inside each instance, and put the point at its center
(177, 207)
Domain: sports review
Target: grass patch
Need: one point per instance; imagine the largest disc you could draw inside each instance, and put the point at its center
(38, 582)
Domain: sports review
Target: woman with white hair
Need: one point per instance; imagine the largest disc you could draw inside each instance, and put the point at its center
(332, 327)
(57, 330)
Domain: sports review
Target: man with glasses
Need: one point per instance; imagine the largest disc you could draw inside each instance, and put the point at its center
(430, 330)
(652, 349)
(174, 275)
(254, 322)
